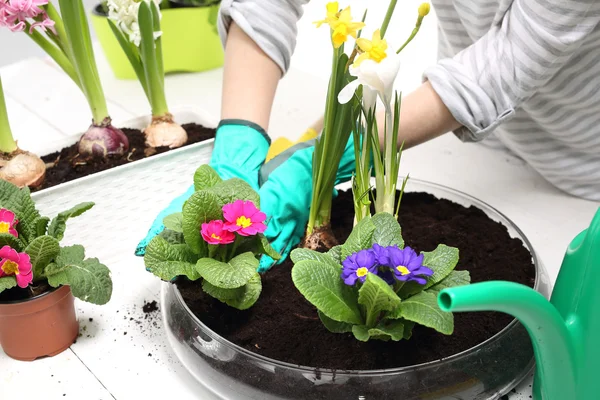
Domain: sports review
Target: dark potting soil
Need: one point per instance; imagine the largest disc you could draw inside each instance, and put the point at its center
(69, 166)
(282, 325)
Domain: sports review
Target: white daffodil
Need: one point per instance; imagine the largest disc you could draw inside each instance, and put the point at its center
(125, 15)
(374, 76)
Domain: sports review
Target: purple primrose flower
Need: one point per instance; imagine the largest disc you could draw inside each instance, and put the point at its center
(404, 263)
(358, 265)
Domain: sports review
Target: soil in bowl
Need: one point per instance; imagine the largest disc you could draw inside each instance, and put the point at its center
(282, 325)
(68, 166)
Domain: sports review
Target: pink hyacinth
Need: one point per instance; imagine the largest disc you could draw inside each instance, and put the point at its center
(214, 233)
(244, 218)
(17, 264)
(15, 13)
(8, 222)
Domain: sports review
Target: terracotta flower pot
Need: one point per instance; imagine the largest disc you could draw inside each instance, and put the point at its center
(41, 326)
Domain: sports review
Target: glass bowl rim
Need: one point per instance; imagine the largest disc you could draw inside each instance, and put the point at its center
(378, 372)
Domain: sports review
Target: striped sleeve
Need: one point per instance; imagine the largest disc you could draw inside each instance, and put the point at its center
(524, 48)
(270, 23)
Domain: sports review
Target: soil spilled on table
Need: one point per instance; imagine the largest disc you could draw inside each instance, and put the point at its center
(68, 166)
(282, 325)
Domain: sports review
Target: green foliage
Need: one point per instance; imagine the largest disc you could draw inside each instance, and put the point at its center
(233, 274)
(167, 260)
(7, 282)
(241, 298)
(205, 177)
(201, 207)
(174, 222)
(19, 201)
(42, 250)
(59, 223)
(9, 240)
(375, 309)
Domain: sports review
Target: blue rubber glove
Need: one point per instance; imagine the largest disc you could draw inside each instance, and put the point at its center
(286, 194)
(239, 151)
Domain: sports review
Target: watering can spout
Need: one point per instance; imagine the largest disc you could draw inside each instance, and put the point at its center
(551, 339)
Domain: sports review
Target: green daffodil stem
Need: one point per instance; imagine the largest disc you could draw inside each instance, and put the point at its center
(388, 17)
(389, 196)
(78, 33)
(423, 11)
(7, 142)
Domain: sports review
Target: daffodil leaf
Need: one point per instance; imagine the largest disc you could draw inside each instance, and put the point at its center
(233, 274)
(334, 326)
(423, 309)
(7, 282)
(59, 223)
(205, 177)
(387, 230)
(360, 238)
(320, 283)
(301, 254)
(442, 261)
(201, 207)
(42, 250)
(167, 260)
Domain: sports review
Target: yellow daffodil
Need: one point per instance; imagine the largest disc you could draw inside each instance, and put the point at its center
(374, 49)
(341, 23)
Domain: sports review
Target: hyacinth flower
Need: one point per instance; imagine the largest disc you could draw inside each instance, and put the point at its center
(19, 167)
(8, 223)
(17, 265)
(65, 37)
(375, 71)
(136, 25)
(243, 218)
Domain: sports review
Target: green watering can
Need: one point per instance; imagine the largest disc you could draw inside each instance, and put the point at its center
(563, 330)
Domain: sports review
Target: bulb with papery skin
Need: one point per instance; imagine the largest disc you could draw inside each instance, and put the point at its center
(23, 169)
(163, 131)
(102, 141)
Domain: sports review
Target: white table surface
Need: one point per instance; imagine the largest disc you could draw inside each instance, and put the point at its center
(122, 353)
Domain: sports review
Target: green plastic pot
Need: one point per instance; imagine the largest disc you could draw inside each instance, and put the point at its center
(190, 41)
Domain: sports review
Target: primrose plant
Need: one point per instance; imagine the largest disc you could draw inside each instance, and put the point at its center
(376, 287)
(32, 258)
(217, 237)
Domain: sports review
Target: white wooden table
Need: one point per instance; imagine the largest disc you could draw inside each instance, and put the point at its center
(123, 353)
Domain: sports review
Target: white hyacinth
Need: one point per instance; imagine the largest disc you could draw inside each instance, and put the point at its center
(125, 15)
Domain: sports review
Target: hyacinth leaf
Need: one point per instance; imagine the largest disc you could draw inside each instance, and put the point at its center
(387, 230)
(423, 309)
(201, 207)
(442, 261)
(300, 254)
(387, 330)
(360, 238)
(249, 294)
(205, 177)
(42, 250)
(233, 274)
(321, 285)
(7, 239)
(336, 253)
(174, 222)
(167, 260)
(456, 278)
(59, 223)
(89, 279)
(41, 226)
(264, 247)
(234, 189)
(7, 282)
(334, 326)
(376, 296)
(132, 53)
(19, 201)
(172, 236)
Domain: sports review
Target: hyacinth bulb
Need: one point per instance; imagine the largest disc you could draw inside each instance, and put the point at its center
(23, 169)
(103, 140)
(163, 131)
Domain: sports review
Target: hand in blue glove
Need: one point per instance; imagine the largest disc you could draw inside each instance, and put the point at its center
(239, 151)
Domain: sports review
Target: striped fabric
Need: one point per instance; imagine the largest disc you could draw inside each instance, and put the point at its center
(521, 74)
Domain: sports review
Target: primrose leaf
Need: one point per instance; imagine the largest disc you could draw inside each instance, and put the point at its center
(234, 189)
(336, 253)
(59, 223)
(442, 261)
(174, 222)
(201, 207)
(234, 274)
(360, 238)
(377, 296)
(89, 279)
(408, 328)
(20, 202)
(320, 283)
(387, 230)
(6, 239)
(410, 288)
(456, 278)
(360, 332)
(386, 330)
(300, 254)
(334, 326)
(172, 236)
(42, 250)
(205, 177)
(241, 298)
(423, 309)
(264, 247)
(41, 226)
(7, 282)
(168, 261)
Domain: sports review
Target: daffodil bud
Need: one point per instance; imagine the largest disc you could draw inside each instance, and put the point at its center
(424, 9)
